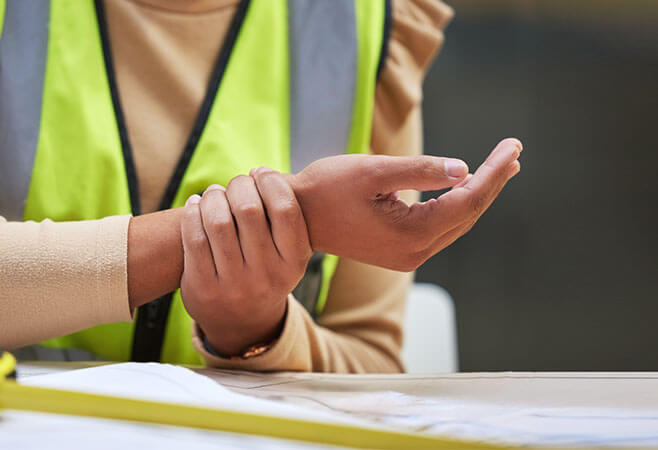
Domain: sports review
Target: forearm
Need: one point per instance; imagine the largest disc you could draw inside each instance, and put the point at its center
(59, 278)
(155, 256)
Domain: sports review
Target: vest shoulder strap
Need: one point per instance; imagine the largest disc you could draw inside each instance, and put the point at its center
(323, 65)
(23, 49)
(330, 54)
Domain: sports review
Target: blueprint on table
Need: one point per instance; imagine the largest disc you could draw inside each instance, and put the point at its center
(565, 410)
(541, 409)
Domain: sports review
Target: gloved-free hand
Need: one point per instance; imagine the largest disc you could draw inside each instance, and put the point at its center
(352, 210)
(246, 246)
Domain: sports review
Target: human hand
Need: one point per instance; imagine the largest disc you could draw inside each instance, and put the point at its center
(238, 272)
(352, 209)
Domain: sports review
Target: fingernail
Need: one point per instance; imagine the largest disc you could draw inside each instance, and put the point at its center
(456, 168)
(264, 169)
(193, 200)
(213, 187)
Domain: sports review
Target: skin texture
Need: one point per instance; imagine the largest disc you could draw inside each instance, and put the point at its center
(241, 262)
(246, 247)
(155, 255)
(352, 210)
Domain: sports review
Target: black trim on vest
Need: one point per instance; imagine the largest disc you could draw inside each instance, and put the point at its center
(150, 328)
(129, 162)
(151, 325)
(307, 291)
(388, 24)
(206, 105)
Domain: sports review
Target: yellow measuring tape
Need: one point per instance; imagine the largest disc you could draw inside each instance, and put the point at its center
(7, 365)
(26, 398)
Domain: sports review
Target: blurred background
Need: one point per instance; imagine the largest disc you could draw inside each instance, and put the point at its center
(562, 273)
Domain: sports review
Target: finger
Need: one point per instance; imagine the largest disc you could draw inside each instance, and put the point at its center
(220, 229)
(469, 201)
(420, 173)
(464, 181)
(253, 230)
(197, 259)
(494, 169)
(513, 169)
(287, 222)
(487, 181)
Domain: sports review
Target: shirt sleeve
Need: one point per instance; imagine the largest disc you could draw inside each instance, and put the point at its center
(59, 278)
(360, 329)
(416, 37)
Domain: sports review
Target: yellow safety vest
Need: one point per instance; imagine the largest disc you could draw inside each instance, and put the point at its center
(294, 82)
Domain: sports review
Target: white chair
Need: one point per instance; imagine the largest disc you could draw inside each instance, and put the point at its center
(430, 331)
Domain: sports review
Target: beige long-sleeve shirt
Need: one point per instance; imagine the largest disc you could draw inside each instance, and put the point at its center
(58, 278)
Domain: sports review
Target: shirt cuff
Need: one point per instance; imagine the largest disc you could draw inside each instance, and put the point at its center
(112, 281)
(287, 353)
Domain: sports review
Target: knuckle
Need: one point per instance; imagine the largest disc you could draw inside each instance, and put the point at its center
(239, 184)
(248, 210)
(190, 213)
(287, 210)
(220, 225)
(210, 195)
(378, 168)
(240, 179)
(267, 176)
(426, 168)
(196, 240)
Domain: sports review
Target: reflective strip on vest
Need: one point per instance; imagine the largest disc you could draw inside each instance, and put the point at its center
(23, 48)
(285, 100)
(322, 77)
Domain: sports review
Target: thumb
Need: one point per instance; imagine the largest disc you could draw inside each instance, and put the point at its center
(420, 173)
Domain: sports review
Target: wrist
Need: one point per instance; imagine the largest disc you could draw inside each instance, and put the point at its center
(155, 256)
(235, 337)
(302, 187)
(250, 352)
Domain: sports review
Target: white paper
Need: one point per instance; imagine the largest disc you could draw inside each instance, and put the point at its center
(36, 431)
(537, 409)
(154, 382)
(570, 410)
(172, 384)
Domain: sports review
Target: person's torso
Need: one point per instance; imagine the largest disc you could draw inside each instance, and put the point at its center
(293, 81)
